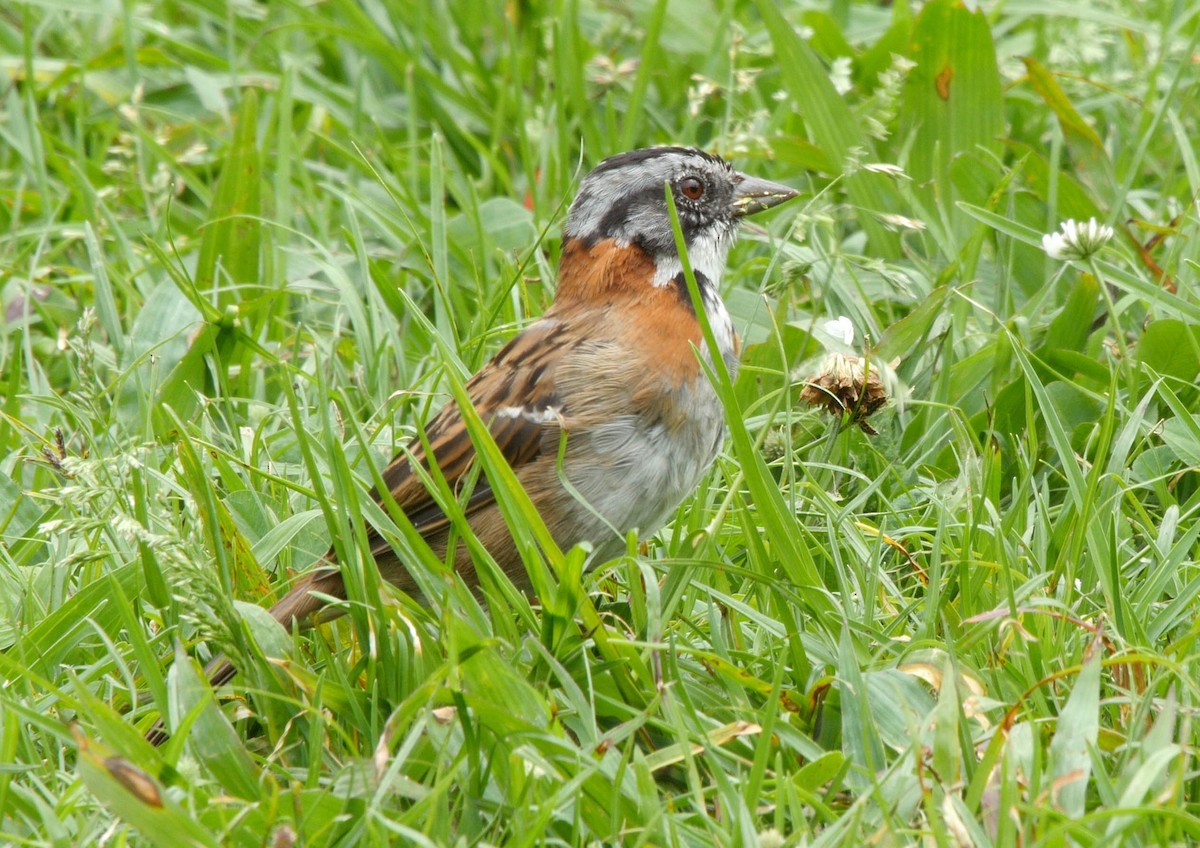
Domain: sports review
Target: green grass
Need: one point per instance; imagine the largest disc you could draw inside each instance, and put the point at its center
(246, 249)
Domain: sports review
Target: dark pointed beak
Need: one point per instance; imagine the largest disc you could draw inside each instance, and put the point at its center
(752, 195)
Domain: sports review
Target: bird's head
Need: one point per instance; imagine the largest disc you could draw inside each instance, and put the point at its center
(621, 205)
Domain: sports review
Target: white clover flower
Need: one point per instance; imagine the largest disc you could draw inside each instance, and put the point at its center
(841, 328)
(1076, 240)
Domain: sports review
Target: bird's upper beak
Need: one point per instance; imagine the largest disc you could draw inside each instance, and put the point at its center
(754, 195)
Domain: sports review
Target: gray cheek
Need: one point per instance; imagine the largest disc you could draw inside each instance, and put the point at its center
(649, 228)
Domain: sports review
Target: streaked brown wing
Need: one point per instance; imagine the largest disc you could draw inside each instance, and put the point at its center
(514, 394)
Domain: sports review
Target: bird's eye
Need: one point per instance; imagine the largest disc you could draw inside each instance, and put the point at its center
(692, 188)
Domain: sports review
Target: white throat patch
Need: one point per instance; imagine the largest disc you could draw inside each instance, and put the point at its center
(707, 254)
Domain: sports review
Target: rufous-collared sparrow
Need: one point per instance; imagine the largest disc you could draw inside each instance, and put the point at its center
(609, 376)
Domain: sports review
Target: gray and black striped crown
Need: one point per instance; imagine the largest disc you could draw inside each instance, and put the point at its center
(623, 199)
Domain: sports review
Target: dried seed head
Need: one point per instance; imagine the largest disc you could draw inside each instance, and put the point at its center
(850, 385)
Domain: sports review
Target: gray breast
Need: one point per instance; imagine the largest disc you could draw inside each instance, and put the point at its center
(633, 473)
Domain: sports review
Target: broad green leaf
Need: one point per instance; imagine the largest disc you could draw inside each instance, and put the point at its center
(765, 367)
(1182, 436)
(241, 573)
(138, 798)
(947, 750)
(833, 127)
(51, 640)
(500, 698)
(1070, 753)
(815, 774)
(1171, 348)
(106, 302)
(299, 530)
(228, 265)
(860, 735)
(231, 242)
(1073, 324)
(881, 54)
(907, 336)
(900, 705)
(1068, 363)
(19, 513)
(827, 38)
(952, 99)
(211, 737)
(507, 224)
(1007, 226)
(1070, 198)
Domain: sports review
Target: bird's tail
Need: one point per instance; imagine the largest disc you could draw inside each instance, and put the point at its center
(299, 607)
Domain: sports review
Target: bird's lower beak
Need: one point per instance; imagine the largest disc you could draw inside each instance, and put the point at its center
(754, 195)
